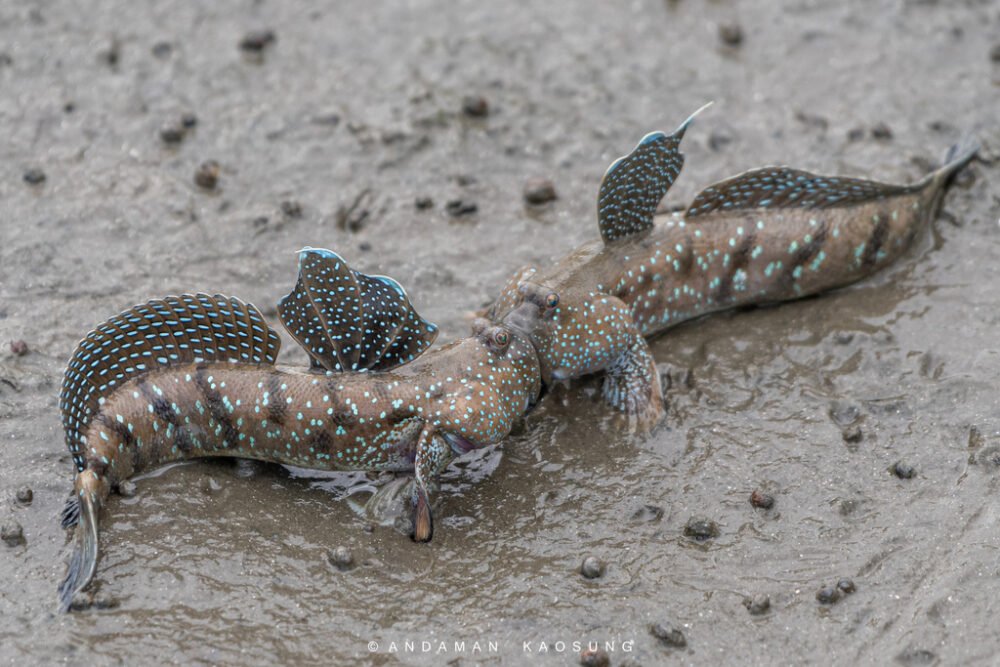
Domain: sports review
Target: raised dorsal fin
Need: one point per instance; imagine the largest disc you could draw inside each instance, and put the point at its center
(633, 185)
(782, 187)
(190, 328)
(349, 321)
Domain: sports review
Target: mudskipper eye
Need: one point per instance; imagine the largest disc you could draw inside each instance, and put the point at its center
(501, 338)
(552, 300)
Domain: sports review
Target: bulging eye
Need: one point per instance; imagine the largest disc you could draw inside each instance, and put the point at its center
(551, 300)
(501, 339)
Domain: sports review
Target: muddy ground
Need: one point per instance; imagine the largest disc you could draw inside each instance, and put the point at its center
(328, 136)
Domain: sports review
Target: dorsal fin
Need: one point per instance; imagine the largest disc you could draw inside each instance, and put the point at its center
(633, 185)
(164, 332)
(782, 187)
(349, 321)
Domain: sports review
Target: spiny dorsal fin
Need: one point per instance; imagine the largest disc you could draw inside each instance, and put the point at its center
(164, 332)
(348, 321)
(782, 187)
(633, 185)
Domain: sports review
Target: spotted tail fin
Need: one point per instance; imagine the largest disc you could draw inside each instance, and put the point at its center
(349, 321)
(633, 185)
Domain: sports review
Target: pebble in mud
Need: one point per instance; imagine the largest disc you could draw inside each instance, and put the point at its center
(188, 120)
(171, 133)
(539, 190)
(731, 34)
(475, 106)
(127, 489)
(24, 495)
(597, 657)
(881, 132)
(256, 41)
(903, 470)
(458, 208)
(668, 634)
(84, 600)
(291, 208)
(12, 533)
(423, 203)
(852, 434)
(592, 567)
(341, 558)
(844, 413)
(761, 499)
(34, 176)
(758, 605)
(828, 595)
(18, 348)
(701, 529)
(846, 586)
(207, 175)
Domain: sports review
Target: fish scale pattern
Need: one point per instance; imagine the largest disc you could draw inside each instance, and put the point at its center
(782, 187)
(349, 321)
(177, 329)
(634, 184)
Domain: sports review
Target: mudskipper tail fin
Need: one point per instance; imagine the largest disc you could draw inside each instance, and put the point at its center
(83, 563)
(959, 155)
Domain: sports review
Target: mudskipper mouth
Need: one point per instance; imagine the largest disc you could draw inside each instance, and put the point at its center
(524, 320)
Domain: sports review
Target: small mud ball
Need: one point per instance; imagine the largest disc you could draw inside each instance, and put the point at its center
(12, 533)
(539, 191)
(669, 635)
(592, 568)
(341, 558)
(24, 495)
(207, 175)
(846, 586)
(828, 595)
(595, 658)
(127, 489)
(761, 500)
(701, 529)
(758, 605)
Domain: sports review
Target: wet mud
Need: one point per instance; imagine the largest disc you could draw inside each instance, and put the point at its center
(853, 437)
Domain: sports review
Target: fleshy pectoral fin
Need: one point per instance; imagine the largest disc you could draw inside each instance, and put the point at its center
(433, 456)
(634, 184)
(632, 385)
(782, 187)
(349, 321)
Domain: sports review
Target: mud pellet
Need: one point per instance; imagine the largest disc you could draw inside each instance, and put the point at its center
(171, 134)
(364, 246)
(34, 176)
(423, 203)
(19, 348)
(592, 568)
(291, 208)
(539, 190)
(828, 595)
(12, 533)
(701, 529)
(731, 34)
(256, 41)
(461, 207)
(595, 658)
(475, 106)
(758, 605)
(903, 470)
(846, 586)
(852, 434)
(341, 558)
(207, 175)
(761, 499)
(669, 635)
(881, 132)
(127, 489)
(24, 495)
(188, 120)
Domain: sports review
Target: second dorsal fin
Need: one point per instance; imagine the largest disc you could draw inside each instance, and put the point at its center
(633, 185)
(349, 321)
(782, 187)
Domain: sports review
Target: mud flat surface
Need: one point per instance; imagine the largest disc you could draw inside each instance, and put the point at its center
(327, 136)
